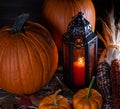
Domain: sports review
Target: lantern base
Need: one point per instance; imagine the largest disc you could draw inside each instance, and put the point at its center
(74, 87)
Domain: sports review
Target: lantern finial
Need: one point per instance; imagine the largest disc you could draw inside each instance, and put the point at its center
(79, 26)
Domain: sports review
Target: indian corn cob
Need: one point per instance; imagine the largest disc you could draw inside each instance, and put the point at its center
(115, 78)
(104, 84)
(108, 70)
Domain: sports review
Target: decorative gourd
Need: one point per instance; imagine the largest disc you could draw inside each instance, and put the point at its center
(87, 98)
(28, 57)
(58, 13)
(54, 101)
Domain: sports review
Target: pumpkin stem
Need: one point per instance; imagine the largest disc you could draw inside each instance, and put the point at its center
(55, 97)
(19, 22)
(90, 87)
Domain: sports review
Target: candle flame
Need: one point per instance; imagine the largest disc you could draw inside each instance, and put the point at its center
(81, 60)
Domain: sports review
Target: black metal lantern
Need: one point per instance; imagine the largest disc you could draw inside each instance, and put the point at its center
(79, 53)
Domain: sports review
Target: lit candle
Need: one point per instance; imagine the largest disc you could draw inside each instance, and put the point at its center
(79, 71)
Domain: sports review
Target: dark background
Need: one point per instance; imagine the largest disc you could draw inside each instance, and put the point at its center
(10, 9)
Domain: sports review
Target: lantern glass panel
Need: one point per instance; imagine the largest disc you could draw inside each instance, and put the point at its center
(92, 59)
(78, 66)
(66, 60)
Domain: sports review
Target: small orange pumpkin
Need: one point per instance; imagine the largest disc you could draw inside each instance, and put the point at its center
(28, 57)
(87, 98)
(58, 13)
(55, 101)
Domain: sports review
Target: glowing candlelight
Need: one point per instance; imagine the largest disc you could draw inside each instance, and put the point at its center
(79, 71)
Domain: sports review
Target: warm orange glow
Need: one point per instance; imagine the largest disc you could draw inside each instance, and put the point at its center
(81, 61)
(79, 71)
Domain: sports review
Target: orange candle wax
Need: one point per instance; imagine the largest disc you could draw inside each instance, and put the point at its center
(79, 71)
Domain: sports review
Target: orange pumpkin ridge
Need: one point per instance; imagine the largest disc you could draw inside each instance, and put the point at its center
(87, 98)
(28, 57)
(54, 101)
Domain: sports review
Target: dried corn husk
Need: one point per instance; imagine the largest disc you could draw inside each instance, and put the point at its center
(111, 40)
(107, 76)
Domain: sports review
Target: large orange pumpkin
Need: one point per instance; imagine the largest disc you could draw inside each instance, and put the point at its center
(58, 13)
(28, 57)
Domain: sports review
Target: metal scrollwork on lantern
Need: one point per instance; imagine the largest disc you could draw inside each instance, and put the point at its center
(79, 53)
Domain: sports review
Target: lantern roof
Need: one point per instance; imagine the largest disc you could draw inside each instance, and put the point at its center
(79, 26)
